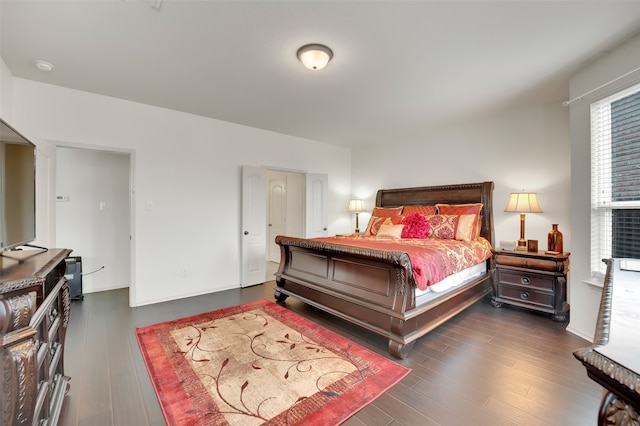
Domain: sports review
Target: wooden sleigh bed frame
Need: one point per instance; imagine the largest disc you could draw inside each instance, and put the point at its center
(374, 288)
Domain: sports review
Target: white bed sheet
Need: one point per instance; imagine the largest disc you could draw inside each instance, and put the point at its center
(454, 280)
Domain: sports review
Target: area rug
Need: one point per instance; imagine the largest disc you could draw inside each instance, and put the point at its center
(259, 363)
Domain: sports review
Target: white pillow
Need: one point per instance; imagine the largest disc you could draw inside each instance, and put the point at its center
(390, 231)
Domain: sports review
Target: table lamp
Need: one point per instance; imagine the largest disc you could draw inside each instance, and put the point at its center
(523, 202)
(356, 206)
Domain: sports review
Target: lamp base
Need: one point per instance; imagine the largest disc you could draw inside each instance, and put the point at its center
(522, 245)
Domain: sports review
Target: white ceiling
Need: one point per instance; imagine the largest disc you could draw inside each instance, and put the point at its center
(399, 68)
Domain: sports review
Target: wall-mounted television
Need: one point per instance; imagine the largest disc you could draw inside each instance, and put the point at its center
(17, 189)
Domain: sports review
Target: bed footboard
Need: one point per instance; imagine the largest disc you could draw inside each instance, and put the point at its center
(371, 288)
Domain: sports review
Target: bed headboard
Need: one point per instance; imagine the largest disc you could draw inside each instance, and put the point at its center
(464, 193)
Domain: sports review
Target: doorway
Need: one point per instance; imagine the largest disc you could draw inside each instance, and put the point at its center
(93, 214)
(285, 208)
(302, 203)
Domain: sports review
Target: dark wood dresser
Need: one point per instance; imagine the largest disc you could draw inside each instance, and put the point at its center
(532, 280)
(34, 314)
(614, 360)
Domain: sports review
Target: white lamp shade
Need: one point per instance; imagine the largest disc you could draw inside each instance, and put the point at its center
(523, 202)
(315, 56)
(356, 206)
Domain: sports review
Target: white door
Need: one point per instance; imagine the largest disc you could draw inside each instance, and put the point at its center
(277, 220)
(316, 221)
(253, 226)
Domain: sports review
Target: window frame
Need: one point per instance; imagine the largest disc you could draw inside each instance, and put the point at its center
(602, 206)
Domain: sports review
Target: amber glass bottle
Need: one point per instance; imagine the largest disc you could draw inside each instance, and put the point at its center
(554, 239)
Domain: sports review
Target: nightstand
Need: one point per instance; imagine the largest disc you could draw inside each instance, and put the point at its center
(532, 280)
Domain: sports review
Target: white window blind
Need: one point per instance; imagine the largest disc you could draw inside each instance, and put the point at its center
(615, 177)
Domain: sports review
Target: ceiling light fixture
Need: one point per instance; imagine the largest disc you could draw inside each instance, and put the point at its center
(44, 65)
(315, 56)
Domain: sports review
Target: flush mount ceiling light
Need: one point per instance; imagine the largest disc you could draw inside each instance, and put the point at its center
(43, 65)
(315, 56)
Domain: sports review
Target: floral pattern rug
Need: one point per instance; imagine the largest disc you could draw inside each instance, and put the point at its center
(260, 363)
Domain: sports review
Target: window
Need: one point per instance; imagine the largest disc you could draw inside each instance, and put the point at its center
(615, 177)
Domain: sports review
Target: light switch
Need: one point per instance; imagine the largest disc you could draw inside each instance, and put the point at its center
(149, 205)
(103, 205)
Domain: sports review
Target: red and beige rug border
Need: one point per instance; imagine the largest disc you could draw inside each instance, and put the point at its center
(178, 408)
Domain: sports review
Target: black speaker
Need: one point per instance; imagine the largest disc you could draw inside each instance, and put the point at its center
(74, 276)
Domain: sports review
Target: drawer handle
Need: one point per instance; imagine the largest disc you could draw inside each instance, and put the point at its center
(525, 280)
(524, 295)
(523, 263)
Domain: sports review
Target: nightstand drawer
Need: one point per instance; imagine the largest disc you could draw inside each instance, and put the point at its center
(522, 262)
(527, 279)
(527, 296)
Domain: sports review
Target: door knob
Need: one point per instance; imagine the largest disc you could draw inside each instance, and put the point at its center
(246, 232)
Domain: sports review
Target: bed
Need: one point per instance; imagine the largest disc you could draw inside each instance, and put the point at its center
(376, 288)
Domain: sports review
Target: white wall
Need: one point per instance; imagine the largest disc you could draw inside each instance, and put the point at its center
(188, 168)
(522, 148)
(614, 64)
(6, 91)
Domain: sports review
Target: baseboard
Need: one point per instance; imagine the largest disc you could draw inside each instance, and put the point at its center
(183, 296)
(588, 338)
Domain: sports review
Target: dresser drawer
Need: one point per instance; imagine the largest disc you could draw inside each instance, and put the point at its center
(526, 295)
(526, 262)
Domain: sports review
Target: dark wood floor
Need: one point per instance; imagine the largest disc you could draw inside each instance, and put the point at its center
(485, 367)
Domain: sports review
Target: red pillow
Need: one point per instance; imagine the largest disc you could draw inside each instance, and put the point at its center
(424, 210)
(386, 211)
(415, 226)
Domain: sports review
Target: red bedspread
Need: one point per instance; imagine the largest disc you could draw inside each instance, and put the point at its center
(432, 259)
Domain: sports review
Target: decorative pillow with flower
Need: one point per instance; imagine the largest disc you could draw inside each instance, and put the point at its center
(443, 226)
(415, 226)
